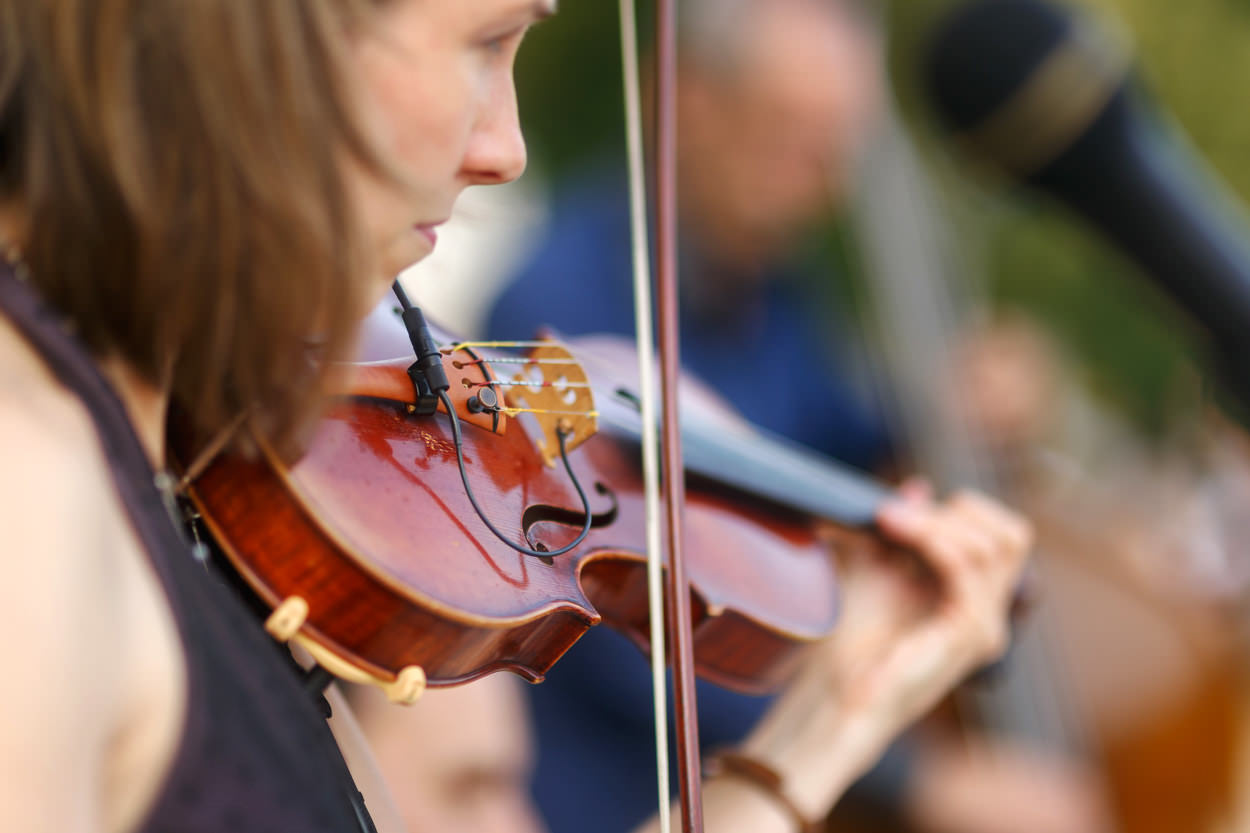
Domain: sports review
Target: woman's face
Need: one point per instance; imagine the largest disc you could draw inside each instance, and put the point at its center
(439, 103)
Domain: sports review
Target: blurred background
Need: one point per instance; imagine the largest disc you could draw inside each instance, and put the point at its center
(1029, 254)
(1002, 344)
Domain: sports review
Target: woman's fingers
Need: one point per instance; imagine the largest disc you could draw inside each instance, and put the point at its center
(916, 489)
(977, 548)
(969, 528)
(1008, 529)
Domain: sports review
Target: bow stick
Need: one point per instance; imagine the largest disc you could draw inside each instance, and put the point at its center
(678, 586)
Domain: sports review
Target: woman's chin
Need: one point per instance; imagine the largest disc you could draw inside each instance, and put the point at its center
(405, 255)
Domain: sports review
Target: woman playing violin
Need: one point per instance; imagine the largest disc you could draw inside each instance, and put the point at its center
(200, 201)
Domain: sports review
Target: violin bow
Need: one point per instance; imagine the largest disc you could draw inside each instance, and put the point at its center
(677, 590)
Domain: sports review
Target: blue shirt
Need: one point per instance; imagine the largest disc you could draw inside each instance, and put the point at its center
(773, 354)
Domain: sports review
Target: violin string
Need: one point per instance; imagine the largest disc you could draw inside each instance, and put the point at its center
(509, 411)
(569, 362)
(500, 345)
(523, 383)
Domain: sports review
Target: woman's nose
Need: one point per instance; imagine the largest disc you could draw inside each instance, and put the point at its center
(496, 151)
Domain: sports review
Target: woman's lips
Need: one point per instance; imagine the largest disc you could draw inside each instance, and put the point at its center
(430, 231)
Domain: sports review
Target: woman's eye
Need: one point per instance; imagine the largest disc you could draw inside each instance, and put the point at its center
(500, 44)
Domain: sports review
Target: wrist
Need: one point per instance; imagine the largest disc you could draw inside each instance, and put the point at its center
(819, 756)
(766, 782)
(730, 803)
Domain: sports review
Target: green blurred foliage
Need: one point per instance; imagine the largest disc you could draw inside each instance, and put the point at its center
(569, 85)
(1138, 354)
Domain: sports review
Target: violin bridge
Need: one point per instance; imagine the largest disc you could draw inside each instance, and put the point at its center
(553, 387)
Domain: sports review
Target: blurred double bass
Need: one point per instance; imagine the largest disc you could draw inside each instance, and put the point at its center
(1114, 669)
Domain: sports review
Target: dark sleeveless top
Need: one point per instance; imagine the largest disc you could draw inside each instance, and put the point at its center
(256, 755)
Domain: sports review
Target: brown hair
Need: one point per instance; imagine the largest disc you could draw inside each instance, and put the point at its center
(177, 167)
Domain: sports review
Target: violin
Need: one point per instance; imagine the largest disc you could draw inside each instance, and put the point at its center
(375, 558)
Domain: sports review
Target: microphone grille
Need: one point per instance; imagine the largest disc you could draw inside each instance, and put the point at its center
(985, 51)
(1017, 81)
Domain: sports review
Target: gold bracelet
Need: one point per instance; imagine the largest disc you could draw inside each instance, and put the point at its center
(764, 777)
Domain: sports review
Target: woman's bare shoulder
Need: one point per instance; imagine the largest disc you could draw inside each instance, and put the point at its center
(52, 460)
(29, 392)
(54, 488)
(65, 553)
(54, 492)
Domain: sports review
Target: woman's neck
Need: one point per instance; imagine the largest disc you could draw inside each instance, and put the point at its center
(145, 403)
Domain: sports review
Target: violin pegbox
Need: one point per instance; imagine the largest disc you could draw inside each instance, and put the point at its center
(553, 388)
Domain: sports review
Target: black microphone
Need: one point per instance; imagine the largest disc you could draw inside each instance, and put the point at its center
(1048, 99)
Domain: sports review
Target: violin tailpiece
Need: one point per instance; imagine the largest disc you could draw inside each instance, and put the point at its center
(559, 397)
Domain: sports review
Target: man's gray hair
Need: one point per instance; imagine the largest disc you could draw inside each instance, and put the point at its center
(713, 32)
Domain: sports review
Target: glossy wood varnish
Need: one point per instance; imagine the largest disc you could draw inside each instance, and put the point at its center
(373, 528)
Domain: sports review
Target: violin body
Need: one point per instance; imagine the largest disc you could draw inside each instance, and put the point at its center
(372, 528)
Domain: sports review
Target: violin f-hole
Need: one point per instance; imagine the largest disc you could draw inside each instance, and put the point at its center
(540, 513)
